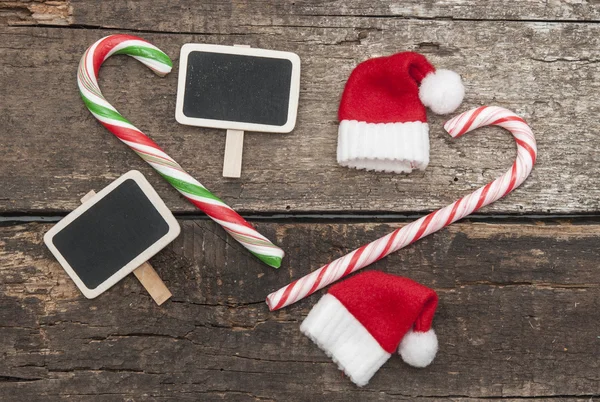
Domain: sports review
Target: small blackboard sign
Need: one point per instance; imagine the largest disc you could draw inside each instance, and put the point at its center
(112, 233)
(238, 88)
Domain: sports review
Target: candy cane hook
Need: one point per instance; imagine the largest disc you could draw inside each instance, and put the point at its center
(148, 150)
(376, 250)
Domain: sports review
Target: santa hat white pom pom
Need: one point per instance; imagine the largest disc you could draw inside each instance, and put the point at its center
(442, 91)
(418, 348)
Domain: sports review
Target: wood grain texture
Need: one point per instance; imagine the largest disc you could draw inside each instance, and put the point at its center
(210, 16)
(185, 16)
(521, 66)
(519, 302)
(519, 307)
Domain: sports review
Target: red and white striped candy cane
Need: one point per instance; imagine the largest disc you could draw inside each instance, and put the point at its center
(148, 150)
(374, 251)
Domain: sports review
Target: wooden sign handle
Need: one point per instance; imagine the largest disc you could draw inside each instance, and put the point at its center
(145, 273)
(234, 148)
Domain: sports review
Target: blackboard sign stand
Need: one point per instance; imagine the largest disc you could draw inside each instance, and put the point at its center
(234, 147)
(147, 276)
(237, 88)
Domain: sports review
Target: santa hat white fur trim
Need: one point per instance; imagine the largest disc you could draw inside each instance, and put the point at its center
(383, 147)
(418, 348)
(344, 339)
(442, 91)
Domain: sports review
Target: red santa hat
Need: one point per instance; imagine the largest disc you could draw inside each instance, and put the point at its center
(366, 318)
(383, 123)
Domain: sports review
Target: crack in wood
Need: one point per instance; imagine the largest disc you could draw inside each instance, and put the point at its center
(6, 378)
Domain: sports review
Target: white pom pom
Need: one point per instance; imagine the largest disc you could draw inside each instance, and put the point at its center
(418, 348)
(442, 91)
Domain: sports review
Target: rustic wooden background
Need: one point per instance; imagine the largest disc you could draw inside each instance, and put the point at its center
(519, 314)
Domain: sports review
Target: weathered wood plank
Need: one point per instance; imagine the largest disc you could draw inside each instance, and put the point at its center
(519, 307)
(62, 152)
(216, 15)
(222, 15)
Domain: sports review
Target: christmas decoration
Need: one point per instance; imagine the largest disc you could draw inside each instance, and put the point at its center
(362, 321)
(383, 122)
(376, 250)
(148, 150)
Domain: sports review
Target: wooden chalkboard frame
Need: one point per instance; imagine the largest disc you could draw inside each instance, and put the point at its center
(245, 51)
(152, 195)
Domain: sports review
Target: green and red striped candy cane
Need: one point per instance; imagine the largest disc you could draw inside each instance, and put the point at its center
(148, 150)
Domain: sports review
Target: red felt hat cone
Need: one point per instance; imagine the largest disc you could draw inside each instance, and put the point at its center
(383, 122)
(362, 321)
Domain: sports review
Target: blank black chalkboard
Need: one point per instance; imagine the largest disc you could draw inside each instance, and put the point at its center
(110, 234)
(237, 88)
